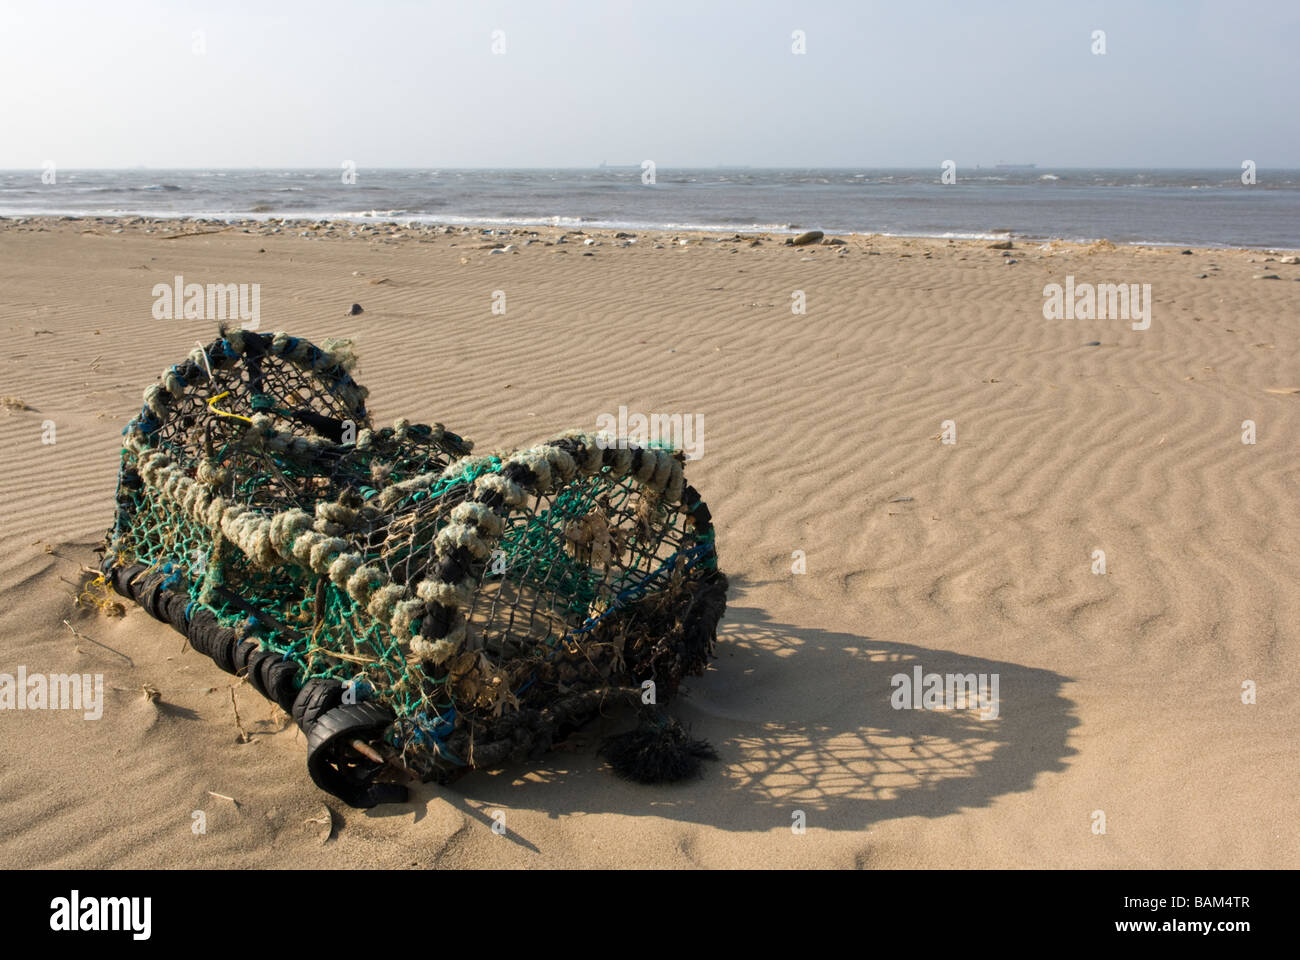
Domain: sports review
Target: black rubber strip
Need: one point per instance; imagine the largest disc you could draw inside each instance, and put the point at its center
(318, 695)
(211, 639)
(174, 607)
(244, 653)
(280, 680)
(256, 674)
(350, 778)
(121, 578)
(327, 427)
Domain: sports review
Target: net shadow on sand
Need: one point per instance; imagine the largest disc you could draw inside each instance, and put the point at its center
(802, 720)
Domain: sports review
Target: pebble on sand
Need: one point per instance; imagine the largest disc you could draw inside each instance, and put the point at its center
(356, 308)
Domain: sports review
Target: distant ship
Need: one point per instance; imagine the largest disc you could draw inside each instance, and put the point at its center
(1015, 166)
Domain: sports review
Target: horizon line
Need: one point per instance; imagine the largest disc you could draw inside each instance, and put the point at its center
(664, 166)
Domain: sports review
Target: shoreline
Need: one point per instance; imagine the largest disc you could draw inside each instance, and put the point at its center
(330, 227)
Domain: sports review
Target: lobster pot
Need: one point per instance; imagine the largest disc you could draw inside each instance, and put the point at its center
(416, 608)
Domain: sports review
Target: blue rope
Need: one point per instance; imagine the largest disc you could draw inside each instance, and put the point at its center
(170, 567)
(692, 556)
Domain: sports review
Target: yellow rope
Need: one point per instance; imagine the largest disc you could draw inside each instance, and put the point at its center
(224, 413)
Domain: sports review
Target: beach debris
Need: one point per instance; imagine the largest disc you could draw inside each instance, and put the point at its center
(1266, 276)
(13, 403)
(324, 823)
(81, 636)
(1282, 390)
(658, 750)
(415, 609)
(901, 500)
(832, 242)
(93, 593)
(234, 706)
(195, 233)
(1093, 343)
(812, 236)
(355, 309)
(1001, 245)
(150, 692)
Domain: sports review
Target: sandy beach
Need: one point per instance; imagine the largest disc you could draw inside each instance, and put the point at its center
(823, 449)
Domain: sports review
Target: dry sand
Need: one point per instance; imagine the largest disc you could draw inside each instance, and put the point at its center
(1119, 693)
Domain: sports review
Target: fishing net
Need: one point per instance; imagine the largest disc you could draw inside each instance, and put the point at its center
(418, 610)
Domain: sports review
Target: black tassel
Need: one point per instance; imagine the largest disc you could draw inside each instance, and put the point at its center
(659, 750)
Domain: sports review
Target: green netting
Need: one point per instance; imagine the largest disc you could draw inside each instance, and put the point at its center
(487, 602)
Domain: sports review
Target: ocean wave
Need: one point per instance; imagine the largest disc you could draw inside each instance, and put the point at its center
(1119, 204)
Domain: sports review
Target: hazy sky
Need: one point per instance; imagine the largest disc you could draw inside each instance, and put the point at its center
(396, 84)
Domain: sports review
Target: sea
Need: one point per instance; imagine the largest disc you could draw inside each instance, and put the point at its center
(1210, 207)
